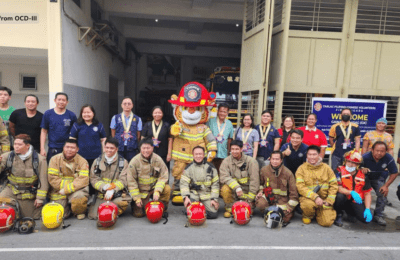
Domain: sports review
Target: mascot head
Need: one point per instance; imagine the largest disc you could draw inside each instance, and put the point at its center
(193, 104)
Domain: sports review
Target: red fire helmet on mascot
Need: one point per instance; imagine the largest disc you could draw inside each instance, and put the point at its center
(196, 213)
(154, 211)
(7, 217)
(107, 214)
(241, 212)
(194, 94)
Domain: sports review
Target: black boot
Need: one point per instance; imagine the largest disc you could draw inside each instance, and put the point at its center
(339, 222)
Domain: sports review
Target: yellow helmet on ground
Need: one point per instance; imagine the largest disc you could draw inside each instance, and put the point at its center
(52, 215)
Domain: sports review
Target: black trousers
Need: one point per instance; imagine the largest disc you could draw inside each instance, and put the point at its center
(351, 208)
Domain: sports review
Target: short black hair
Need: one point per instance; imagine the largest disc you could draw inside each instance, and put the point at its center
(277, 152)
(31, 95)
(71, 141)
(223, 105)
(252, 120)
(346, 108)
(112, 140)
(237, 142)
(312, 114)
(314, 148)
(266, 111)
(198, 146)
(61, 94)
(126, 97)
(297, 131)
(146, 140)
(9, 91)
(379, 143)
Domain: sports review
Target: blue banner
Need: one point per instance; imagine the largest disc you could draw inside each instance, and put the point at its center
(365, 112)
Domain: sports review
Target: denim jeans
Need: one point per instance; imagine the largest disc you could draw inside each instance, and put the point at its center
(380, 199)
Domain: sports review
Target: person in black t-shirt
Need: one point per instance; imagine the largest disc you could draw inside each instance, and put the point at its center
(27, 121)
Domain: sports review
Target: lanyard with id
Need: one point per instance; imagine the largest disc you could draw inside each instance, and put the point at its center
(346, 143)
(246, 146)
(220, 137)
(264, 135)
(156, 142)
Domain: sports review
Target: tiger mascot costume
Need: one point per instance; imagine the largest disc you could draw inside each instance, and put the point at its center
(191, 111)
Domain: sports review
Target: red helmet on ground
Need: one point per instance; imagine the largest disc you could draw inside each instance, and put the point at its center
(194, 94)
(196, 213)
(107, 214)
(7, 217)
(154, 211)
(241, 212)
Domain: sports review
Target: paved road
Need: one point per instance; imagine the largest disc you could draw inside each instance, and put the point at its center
(133, 238)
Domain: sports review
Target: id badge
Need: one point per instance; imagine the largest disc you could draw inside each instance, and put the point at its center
(220, 139)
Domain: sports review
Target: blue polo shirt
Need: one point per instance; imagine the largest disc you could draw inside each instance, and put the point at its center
(387, 162)
(296, 158)
(58, 127)
(88, 137)
(272, 135)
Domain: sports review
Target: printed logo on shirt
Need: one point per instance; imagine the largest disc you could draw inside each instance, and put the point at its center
(67, 122)
(301, 155)
(119, 120)
(95, 128)
(384, 165)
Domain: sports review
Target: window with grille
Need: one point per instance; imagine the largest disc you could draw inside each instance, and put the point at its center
(317, 15)
(378, 17)
(28, 82)
(278, 12)
(250, 101)
(391, 109)
(255, 13)
(299, 105)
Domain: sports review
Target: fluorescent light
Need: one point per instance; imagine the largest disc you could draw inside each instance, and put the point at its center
(237, 25)
(156, 20)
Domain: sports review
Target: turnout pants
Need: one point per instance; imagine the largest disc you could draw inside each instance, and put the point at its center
(138, 212)
(76, 203)
(27, 207)
(351, 208)
(177, 171)
(211, 212)
(230, 197)
(262, 204)
(325, 215)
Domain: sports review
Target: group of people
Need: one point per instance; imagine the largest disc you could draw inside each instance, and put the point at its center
(258, 164)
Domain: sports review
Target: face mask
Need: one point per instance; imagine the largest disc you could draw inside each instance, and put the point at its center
(350, 169)
(346, 118)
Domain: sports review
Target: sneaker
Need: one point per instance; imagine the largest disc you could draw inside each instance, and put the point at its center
(338, 222)
(227, 214)
(306, 221)
(80, 216)
(380, 220)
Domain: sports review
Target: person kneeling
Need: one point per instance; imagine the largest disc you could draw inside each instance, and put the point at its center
(68, 175)
(276, 182)
(240, 176)
(147, 177)
(354, 195)
(317, 186)
(200, 182)
(108, 177)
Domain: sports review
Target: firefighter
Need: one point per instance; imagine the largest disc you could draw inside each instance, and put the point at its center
(68, 176)
(277, 187)
(4, 138)
(240, 177)
(317, 187)
(108, 177)
(200, 182)
(26, 182)
(191, 111)
(147, 177)
(354, 195)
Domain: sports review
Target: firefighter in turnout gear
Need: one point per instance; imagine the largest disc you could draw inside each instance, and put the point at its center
(24, 171)
(191, 112)
(354, 195)
(68, 176)
(240, 177)
(278, 187)
(108, 177)
(317, 186)
(147, 177)
(200, 182)
(4, 138)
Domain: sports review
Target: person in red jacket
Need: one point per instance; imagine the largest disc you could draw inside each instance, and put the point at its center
(314, 136)
(288, 125)
(354, 194)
